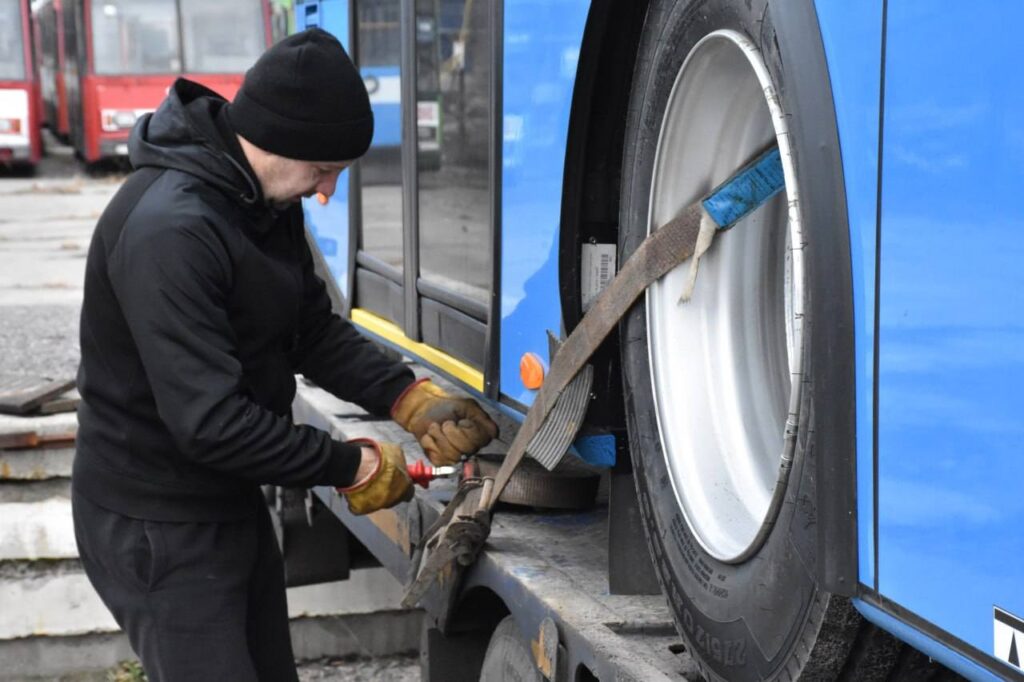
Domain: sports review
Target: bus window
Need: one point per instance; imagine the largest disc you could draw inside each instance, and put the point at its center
(135, 37)
(378, 39)
(211, 48)
(12, 57)
(453, 80)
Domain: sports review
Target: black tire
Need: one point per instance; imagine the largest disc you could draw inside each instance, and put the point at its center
(508, 656)
(762, 617)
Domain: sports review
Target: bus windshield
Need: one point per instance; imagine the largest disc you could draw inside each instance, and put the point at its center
(12, 56)
(135, 37)
(221, 37)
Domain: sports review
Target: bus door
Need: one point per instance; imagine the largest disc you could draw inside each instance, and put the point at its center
(422, 207)
(425, 212)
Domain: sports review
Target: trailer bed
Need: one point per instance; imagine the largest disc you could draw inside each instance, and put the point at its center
(551, 565)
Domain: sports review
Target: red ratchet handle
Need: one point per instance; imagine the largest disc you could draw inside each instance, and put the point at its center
(422, 473)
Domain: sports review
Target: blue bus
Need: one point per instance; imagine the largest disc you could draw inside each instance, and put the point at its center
(822, 438)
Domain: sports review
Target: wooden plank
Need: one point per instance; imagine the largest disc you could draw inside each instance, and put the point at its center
(65, 402)
(23, 394)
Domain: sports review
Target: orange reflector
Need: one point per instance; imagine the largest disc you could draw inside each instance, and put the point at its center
(531, 371)
(322, 198)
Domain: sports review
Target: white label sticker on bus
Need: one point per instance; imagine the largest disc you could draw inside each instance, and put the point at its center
(596, 270)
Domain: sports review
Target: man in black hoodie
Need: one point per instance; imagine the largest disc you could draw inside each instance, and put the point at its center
(200, 306)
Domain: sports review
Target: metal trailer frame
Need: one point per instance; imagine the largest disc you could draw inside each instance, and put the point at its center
(549, 570)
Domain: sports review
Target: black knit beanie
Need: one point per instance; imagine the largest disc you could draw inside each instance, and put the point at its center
(304, 99)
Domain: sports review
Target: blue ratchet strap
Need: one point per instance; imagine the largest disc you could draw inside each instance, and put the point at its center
(751, 186)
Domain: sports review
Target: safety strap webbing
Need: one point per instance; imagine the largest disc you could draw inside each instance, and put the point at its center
(663, 250)
(660, 252)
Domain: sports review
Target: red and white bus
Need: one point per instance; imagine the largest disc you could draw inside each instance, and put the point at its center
(20, 142)
(113, 60)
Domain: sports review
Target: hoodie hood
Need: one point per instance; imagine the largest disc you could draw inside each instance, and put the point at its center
(182, 134)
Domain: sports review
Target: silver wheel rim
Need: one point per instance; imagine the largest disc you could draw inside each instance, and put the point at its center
(726, 366)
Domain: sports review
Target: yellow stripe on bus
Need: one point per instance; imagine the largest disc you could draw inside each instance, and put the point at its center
(392, 333)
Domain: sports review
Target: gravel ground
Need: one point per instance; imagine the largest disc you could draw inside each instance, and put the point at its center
(384, 669)
(39, 340)
(46, 221)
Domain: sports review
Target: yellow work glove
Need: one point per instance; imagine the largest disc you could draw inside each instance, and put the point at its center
(445, 426)
(388, 485)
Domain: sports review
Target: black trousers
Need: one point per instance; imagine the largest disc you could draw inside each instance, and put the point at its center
(199, 601)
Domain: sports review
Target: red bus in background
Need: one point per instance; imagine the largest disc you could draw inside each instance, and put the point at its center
(113, 60)
(20, 141)
(49, 40)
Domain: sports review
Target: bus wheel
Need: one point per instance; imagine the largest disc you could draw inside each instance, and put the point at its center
(508, 656)
(717, 389)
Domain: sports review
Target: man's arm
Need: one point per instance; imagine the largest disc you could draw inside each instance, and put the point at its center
(338, 358)
(172, 285)
(335, 356)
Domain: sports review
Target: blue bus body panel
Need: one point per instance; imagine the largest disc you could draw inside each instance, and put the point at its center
(385, 88)
(329, 222)
(926, 645)
(541, 48)
(951, 474)
(852, 37)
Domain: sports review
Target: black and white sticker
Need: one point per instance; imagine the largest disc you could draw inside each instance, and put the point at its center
(1008, 637)
(596, 270)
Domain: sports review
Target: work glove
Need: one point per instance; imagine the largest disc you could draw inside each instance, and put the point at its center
(388, 485)
(445, 426)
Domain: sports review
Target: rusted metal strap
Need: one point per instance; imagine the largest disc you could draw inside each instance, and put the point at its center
(453, 541)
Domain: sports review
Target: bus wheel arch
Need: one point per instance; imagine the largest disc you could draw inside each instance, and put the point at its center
(593, 163)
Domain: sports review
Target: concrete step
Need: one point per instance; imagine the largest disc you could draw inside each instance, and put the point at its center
(48, 599)
(36, 464)
(88, 658)
(47, 426)
(55, 599)
(35, 521)
(45, 461)
(53, 625)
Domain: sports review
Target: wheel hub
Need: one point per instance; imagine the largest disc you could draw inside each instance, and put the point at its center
(726, 366)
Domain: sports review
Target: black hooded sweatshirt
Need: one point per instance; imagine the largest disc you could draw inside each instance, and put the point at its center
(200, 306)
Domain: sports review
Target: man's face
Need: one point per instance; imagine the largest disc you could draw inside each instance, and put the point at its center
(286, 181)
